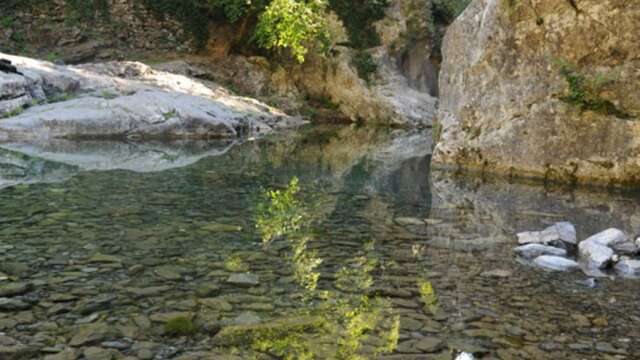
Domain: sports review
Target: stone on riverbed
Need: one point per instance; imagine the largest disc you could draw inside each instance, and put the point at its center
(531, 251)
(13, 305)
(406, 221)
(556, 263)
(244, 334)
(93, 333)
(14, 289)
(246, 279)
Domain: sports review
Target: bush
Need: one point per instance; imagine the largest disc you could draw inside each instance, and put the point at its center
(296, 25)
(358, 17)
(365, 65)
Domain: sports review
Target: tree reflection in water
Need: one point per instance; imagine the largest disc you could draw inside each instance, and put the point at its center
(350, 322)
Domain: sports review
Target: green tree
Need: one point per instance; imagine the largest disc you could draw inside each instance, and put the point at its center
(296, 25)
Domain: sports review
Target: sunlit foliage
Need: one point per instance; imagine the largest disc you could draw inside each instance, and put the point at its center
(428, 296)
(347, 317)
(296, 25)
(281, 213)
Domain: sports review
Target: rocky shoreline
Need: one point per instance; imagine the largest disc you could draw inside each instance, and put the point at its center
(125, 100)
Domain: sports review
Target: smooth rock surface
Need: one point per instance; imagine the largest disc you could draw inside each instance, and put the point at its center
(531, 251)
(609, 237)
(594, 255)
(556, 263)
(130, 100)
(562, 231)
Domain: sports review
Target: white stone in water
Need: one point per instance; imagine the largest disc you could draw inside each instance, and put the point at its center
(556, 263)
(531, 251)
(628, 267)
(567, 232)
(564, 231)
(530, 237)
(609, 237)
(594, 254)
(465, 356)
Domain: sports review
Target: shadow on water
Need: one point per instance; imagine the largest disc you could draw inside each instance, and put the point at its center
(367, 254)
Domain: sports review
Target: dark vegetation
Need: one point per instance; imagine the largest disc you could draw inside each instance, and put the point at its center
(291, 27)
(584, 92)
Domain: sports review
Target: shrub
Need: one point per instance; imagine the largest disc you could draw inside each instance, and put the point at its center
(365, 65)
(358, 17)
(293, 24)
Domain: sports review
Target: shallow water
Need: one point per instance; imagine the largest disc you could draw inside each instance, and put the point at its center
(116, 239)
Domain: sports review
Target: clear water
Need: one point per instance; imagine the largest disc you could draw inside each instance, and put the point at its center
(130, 236)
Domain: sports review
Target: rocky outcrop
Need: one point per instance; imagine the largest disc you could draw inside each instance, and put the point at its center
(400, 92)
(546, 89)
(124, 100)
(56, 31)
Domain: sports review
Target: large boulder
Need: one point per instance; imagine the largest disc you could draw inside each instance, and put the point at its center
(125, 100)
(544, 88)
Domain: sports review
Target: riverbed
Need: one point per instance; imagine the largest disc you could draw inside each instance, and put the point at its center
(158, 251)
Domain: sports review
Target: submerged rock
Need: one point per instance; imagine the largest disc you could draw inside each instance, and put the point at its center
(531, 251)
(247, 279)
(13, 304)
(93, 333)
(14, 289)
(556, 263)
(242, 334)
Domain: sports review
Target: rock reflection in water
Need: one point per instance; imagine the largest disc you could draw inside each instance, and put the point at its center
(57, 160)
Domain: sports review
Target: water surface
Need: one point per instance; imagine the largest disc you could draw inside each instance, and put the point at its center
(392, 261)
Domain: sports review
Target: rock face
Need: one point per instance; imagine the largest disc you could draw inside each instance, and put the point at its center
(403, 89)
(401, 92)
(387, 100)
(506, 108)
(94, 38)
(124, 100)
